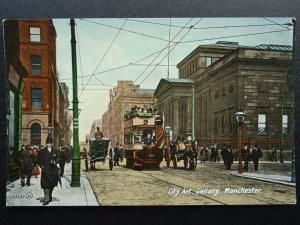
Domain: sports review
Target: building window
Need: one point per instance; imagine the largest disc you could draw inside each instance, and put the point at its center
(36, 65)
(208, 61)
(285, 124)
(262, 123)
(36, 94)
(35, 134)
(230, 123)
(223, 124)
(216, 126)
(35, 34)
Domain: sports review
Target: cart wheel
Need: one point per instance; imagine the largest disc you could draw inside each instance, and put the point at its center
(175, 162)
(111, 165)
(185, 163)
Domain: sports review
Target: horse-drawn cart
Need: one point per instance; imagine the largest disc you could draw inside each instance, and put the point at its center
(98, 153)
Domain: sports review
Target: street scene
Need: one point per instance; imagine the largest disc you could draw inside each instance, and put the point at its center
(150, 111)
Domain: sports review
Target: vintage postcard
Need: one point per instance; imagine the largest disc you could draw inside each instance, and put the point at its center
(150, 111)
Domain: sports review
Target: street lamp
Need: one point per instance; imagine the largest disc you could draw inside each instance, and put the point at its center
(240, 117)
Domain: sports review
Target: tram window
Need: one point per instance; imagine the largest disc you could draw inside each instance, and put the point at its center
(137, 139)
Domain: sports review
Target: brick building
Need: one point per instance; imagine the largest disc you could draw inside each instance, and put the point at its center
(122, 98)
(252, 79)
(36, 43)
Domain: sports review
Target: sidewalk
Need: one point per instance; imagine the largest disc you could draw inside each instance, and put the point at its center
(268, 177)
(16, 195)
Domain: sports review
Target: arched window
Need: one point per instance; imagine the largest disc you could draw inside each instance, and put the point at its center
(35, 134)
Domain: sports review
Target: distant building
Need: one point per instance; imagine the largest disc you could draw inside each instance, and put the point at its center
(122, 98)
(233, 78)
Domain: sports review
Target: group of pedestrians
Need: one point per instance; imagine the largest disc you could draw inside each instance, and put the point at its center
(51, 162)
(227, 155)
(249, 154)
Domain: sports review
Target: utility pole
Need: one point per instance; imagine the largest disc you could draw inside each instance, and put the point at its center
(76, 160)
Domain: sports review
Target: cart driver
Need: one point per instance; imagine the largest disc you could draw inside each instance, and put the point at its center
(98, 134)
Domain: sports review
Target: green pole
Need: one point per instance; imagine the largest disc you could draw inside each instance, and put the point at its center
(76, 160)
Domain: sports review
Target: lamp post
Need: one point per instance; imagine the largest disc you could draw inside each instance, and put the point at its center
(167, 149)
(240, 117)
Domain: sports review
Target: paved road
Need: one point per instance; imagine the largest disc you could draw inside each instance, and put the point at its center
(209, 184)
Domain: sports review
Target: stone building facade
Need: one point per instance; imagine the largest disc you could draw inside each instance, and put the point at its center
(233, 78)
(122, 98)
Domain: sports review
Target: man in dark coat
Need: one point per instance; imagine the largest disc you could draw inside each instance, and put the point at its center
(62, 160)
(116, 155)
(246, 156)
(26, 162)
(229, 157)
(47, 160)
(256, 154)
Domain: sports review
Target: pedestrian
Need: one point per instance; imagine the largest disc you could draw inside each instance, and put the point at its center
(116, 155)
(98, 134)
(223, 154)
(26, 162)
(229, 158)
(62, 160)
(122, 153)
(256, 155)
(35, 170)
(246, 156)
(212, 153)
(48, 159)
(274, 154)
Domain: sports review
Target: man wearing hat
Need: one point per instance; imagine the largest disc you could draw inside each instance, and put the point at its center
(48, 159)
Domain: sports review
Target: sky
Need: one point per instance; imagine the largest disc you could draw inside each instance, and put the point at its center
(145, 50)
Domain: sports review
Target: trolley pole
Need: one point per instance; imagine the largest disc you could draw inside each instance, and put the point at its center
(76, 160)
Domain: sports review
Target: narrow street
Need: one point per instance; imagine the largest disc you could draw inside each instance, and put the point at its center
(209, 184)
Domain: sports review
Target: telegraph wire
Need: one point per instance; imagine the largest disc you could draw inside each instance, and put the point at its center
(80, 62)
(239, 35)
(277, 23)
(103, 59)
(170, 51)
(161, 52)
(130, 31)
(212, 27)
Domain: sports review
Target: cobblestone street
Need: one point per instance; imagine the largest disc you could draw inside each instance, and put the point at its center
(209, 184)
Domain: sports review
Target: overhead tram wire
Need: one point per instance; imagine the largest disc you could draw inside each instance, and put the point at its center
(168, 53)
(277, 23)
(239, 35)
(103, 58)
(135, 63)
(161, 52)
(130, 31)
(203, 28)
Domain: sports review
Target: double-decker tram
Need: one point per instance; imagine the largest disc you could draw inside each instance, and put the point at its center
(143, 140)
